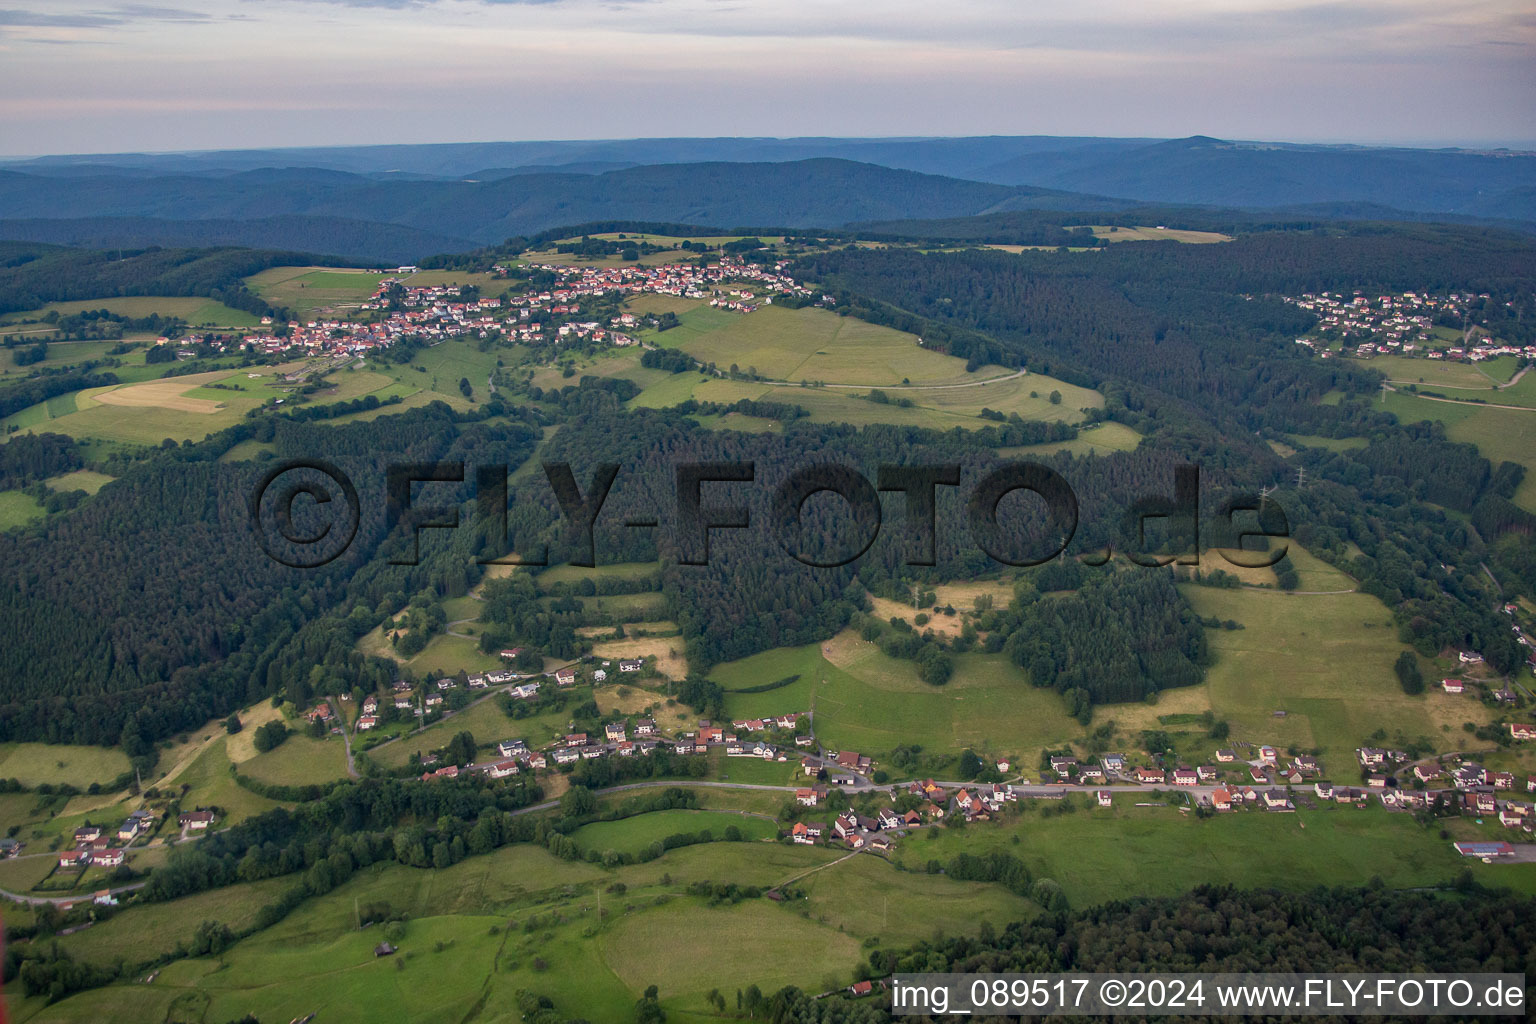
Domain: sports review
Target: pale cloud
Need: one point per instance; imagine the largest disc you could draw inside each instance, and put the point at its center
(243, 72)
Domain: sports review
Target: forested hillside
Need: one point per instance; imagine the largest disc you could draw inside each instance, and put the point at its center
(33, 274)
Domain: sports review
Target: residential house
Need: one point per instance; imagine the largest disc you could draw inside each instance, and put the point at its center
(1452, 685)
(501, 769)
(87, 834)
(809, 796)
(1063, 765)
(195, 821)
(631, 664)
(1425, 772)
(576, 739)
(645, 727)
(512, 748)
(614, 731)
(565, 676)
(1269, 755)
(1207, 772)
(1185, 777)
(599, 676)
(107, 858)
(1522, 731)
(1147, 775)
(1105, 799)
(888, 818)
(1225, 756)
(367, 722)
(853, 761)
(1113, 762)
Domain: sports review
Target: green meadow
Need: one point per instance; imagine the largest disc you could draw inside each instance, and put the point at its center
(36, 763)
(18, 509)
(633, 835)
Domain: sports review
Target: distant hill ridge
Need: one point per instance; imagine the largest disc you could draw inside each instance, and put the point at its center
(405, 202)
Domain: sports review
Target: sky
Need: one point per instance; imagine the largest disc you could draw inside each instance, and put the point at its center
(95, 76)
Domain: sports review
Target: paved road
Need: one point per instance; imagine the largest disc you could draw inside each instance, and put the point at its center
(346, 736)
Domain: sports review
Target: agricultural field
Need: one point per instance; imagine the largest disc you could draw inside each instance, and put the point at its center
(937, 407)
(814, 344)
(1157, 234)
(187, 407)
(1438, 373)
(434, 374)
(1105, 854)
(1325, 660)
(306, 290)
(866, 701)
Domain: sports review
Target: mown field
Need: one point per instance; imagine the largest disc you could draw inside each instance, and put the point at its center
(307, 289)
(181, 408)
(1444, 373)
(813, 344)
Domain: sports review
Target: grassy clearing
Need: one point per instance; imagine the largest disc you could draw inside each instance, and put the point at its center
(86, 480)
(576, 573)
(18, 509)
(37, 763)
(448, 654)
(1333, 444)
(299, 760)
(633, 835)
(1096, 440)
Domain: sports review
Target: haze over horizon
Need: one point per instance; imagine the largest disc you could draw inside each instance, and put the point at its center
(84, 77)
